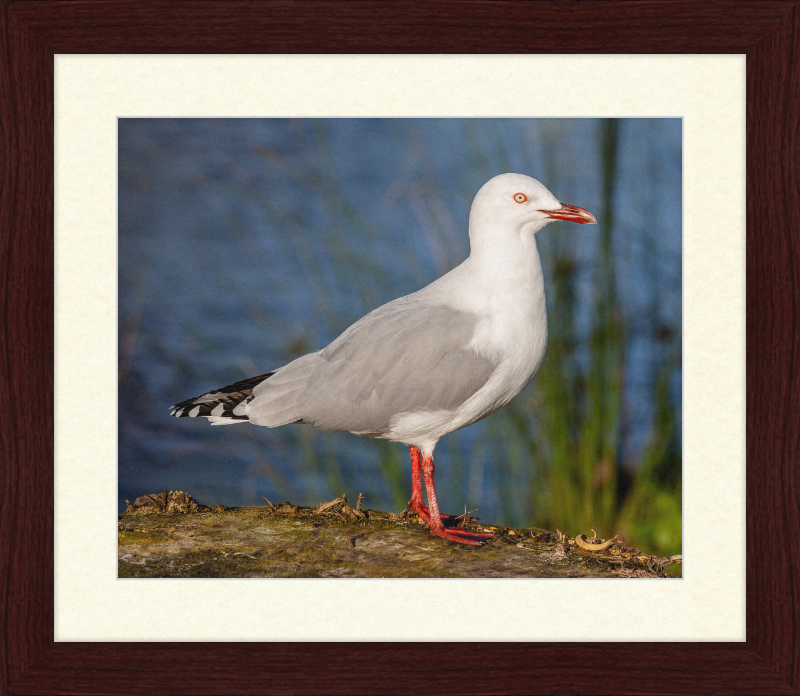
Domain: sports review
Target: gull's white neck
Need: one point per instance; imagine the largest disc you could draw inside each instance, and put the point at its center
(502, 283)
(505, 261)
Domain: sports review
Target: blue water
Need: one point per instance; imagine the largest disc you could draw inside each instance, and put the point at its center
(244, 243)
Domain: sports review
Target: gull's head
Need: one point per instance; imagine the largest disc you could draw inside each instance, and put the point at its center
(518, 202)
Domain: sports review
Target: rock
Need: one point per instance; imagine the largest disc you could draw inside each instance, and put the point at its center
(286, 540)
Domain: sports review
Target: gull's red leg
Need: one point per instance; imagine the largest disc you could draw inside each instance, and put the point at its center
(416, 504)
(463, 536)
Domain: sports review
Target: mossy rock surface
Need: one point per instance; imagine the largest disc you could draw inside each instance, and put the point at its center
(266, 543)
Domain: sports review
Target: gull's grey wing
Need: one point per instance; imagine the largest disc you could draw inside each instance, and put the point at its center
(403, 357)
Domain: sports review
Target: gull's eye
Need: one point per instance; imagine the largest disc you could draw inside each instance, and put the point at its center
(520, 197)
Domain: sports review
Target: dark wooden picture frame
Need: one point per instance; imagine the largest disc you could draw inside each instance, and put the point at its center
(767, 31)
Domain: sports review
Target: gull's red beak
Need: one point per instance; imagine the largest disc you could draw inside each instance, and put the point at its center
(572, 213)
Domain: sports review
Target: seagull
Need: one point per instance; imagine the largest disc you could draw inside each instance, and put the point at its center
(429, 363)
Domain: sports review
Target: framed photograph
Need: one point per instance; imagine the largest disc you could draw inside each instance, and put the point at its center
(71, 627)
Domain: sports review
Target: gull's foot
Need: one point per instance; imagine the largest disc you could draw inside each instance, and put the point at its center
(462, 536)
(449, 531)
(468, 532)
